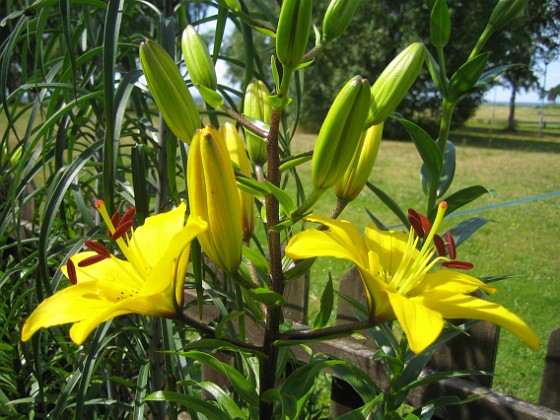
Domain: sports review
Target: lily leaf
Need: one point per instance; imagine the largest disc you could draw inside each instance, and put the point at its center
(327, 299)
(466, 195)
(447, 172)
(467, 76)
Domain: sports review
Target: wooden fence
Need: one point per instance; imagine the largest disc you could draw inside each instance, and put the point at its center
(476, 351)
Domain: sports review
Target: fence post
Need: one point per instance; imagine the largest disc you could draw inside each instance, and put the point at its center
(550, 389)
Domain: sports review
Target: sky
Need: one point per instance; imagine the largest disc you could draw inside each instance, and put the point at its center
(499, 94)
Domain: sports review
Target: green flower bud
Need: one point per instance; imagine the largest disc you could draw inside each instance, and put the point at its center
(214, 197)
(257, 108)
(393, 83)
(359, 170)
(292, 34)
(440, 24)
(340, 133)
(505, 11)
(169, 91)
(338, 17)
(238, 156)
(198, 60)
(233, 5)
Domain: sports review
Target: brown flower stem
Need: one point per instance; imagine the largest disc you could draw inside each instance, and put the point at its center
(337, 330)
(241, 120)
(274, 314)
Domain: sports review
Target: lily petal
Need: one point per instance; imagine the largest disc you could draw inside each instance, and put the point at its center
(451, 281)
(389, 245)
(421, 324)
(454, 306)
(342, 240)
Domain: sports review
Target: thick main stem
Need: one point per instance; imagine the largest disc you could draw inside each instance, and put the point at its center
(274, 314)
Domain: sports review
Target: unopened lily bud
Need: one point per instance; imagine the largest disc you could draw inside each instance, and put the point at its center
(257, 108)
(292, 34)
(238, 155)
(505, 11)
(169, 91)
(340, 133)
(198, 60)
(391, 86)
(213, 196)
(359, 170)
(337, 18)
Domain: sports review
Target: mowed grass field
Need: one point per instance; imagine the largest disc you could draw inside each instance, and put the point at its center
(523, 238)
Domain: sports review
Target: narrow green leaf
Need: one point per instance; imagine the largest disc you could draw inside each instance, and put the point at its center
(466, 228)
(435, 73)
(141, 387)
(287, 403)
(327, 300)
(224, 400)
(200, 406)
(256, 258)
(390, 203)
(266, 296)
(225, 320)
(426, 146)
(466, 195)
(447, 172)
(285, 200)
(467, 76)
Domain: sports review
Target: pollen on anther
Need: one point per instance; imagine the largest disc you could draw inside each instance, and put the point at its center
(460, 265)
(98, 248)
(440, 246)
(91, 260)
(451, 248)
(71, 270)
(122, 229)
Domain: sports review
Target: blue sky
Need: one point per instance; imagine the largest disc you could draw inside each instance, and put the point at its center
(502, 95)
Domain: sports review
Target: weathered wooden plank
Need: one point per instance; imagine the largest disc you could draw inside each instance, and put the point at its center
(550, 386)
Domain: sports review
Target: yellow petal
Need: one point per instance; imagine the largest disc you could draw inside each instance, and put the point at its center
(451, 281)
(152, 238)
(421, 324)
(342, 240)
(75, 303)
(389, 245)
(454, 306)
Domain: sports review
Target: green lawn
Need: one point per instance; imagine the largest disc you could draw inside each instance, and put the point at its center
(522, 240)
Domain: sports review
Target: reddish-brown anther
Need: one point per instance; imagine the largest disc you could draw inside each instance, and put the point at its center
(71, 269)
(440, 246)
(451, 248)
(97, 247)
(91, 260)
(115, 219)
(461, 265)
(128, 216)
(121, 229)
(416, 222)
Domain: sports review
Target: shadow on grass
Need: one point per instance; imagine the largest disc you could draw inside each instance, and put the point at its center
(501, 139)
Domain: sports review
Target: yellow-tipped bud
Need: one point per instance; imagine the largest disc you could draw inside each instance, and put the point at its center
(213, 196)
(292, 34)
(238, 155)
(505, 11)
(357, 174)
(257, 108)
(393, 83)
(338, 17)
(169, 91)
(340, 133)
(198, 60)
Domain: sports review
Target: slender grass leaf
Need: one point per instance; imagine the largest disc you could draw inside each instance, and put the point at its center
(390, 203)
(203, 407)
(141, 388)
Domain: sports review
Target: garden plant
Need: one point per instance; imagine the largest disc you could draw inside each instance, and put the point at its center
(150, 210)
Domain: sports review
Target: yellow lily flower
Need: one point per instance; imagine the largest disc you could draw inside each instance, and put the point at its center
(398, 281)
(149, 282)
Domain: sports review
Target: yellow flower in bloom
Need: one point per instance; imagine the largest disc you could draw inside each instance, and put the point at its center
(149, 282)
(398, 281)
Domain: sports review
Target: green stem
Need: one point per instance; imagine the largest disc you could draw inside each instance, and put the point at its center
(337, 330)
(311, 199)
(340, 206)
(444, 128)
(488, 31)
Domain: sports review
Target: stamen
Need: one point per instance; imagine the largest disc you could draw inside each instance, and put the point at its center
(416, 223)
(121, 230)
(426, 225)
(100, 249)
(71, 270)
(128, 216)
(440, 246)
(115, 218)
(461, 265)
(451, 248)
(91, 260)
